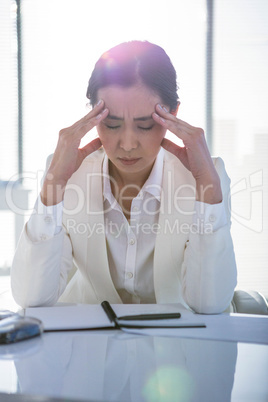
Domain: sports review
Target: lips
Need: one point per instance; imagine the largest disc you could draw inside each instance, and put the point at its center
(129, 161)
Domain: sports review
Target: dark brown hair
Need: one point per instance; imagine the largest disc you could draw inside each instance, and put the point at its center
(136, 62)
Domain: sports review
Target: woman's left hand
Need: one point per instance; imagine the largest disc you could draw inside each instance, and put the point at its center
(194, 155)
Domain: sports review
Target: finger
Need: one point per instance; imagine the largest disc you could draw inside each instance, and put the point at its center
(84, 127)
(170, 146)
(163, 112)
(179, 152)
(173, 126)
(166, 115)
(93, 146)
(96, 110)
(92, 113)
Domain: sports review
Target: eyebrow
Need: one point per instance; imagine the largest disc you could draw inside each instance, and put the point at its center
(143, 118)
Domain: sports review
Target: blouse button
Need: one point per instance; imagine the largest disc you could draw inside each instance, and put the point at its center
(48, 219)
(130, 275)
(212, 218)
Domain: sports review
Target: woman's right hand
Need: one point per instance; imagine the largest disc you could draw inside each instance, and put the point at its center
(68, 156)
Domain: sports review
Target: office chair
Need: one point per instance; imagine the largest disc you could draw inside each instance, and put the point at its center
(248, 302)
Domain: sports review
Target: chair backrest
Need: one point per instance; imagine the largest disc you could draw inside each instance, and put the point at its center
(249, 302)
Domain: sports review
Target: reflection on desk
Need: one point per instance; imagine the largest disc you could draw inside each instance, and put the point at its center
(113, 366)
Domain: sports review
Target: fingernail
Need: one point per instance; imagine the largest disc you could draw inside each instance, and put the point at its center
(160, 107)
(99, 115)
(165, 109)
(99, 102)
(159, 117)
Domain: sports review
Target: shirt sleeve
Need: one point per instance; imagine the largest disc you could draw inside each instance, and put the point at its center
(209, 218)
(45, 221)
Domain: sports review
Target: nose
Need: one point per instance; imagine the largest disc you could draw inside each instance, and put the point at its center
(128, 140)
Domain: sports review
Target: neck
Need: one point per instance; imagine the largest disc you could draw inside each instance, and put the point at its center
(123, 179)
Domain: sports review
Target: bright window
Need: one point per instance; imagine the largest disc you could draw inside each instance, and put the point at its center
(241, 128)
(61, 41)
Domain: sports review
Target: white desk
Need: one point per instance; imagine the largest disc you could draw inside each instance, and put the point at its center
(115, 366)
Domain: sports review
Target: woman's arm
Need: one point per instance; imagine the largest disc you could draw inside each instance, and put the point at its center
(41, 265)
(209, 268)
(40, 269)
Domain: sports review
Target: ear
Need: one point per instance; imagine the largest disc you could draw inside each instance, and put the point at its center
(175, 111)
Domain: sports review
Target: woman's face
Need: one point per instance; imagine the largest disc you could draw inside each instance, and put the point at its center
(129, 135)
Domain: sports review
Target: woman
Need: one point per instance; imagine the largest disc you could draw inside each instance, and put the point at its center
(144, 220)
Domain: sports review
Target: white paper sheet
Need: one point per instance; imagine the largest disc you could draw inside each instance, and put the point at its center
(90, 316)
(222, 327)
(62, 317)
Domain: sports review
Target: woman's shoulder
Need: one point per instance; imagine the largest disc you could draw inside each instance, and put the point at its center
(170, 158)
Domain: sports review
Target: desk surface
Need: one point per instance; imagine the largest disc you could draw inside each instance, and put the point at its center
(115, 366)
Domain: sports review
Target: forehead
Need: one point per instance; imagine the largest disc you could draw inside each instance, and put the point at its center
(135, 99)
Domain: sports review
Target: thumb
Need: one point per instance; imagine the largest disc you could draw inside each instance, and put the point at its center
(179, 152)
(93, 146)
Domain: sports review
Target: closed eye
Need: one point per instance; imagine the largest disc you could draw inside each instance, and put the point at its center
(112, 127)
(118, 126)
(146, 128)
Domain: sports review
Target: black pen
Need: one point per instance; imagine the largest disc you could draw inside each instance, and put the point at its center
(110, 312)
(158, 316)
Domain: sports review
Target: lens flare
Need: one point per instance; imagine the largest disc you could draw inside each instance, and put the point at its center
(169, 384)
